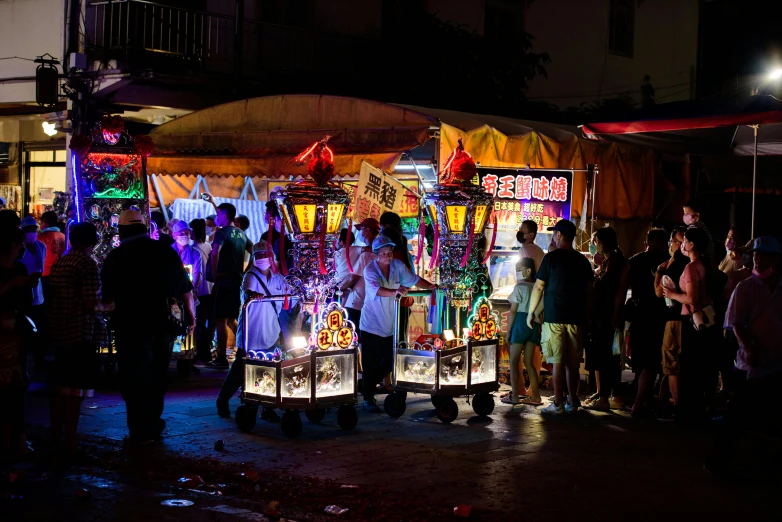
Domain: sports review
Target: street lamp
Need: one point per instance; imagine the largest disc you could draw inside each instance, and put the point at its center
(775, 74)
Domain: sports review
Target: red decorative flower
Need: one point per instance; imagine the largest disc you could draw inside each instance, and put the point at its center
(459, 167)
(80, 145)
(321, 164)
(112, 124)
(143, 145)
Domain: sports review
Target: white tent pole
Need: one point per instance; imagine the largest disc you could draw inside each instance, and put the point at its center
(754, 178)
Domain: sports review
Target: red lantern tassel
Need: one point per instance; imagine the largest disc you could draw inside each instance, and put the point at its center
(466, 256)
(421, 237)
(283, 254)
(347, 246)
(322, 247)
(493, 238)
(285, 304)
(269, 243)
(435, 246)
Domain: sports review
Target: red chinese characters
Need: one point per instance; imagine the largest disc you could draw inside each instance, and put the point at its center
(523, 187)
(489, 184)
(506, 187)
(540, 188)
(558, 189)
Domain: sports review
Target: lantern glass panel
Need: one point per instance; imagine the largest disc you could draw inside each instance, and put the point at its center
(334, 219)
(456, 216)
(305, 217)
(480, 218)
(286, 217)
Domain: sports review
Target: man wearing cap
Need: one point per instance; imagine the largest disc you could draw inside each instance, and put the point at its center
(385, 280)
(755, 316)
(142, 277)
(259, 324)
(566, 276)
(369, 230)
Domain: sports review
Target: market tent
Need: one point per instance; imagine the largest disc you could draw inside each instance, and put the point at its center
(625, 187)
(256, 139)
(723, 116)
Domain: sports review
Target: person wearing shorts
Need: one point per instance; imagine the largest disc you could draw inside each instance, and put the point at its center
(566, 277)
(523, 338)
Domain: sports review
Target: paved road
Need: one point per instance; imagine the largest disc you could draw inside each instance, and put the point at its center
(593, 466)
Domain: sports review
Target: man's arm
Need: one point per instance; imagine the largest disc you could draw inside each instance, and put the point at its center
(535, 299)
(349, 281)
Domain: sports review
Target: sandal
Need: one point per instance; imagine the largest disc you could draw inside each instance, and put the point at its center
(531, 402)
(508, 400)
(592, 398)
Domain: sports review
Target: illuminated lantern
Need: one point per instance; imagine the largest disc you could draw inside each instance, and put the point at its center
(313, 211)
(459, 212)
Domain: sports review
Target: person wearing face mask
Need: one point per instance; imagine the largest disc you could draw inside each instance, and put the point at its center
(732, 259)
(369, 230)
(205, 328)
(260, 328)
(755, 317)
(685, 358)
(526, 236)
(191, 257)
(692, 219)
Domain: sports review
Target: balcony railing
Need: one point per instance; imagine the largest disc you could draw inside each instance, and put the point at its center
(120, 28)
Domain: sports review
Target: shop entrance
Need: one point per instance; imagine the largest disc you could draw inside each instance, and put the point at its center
(44, 174)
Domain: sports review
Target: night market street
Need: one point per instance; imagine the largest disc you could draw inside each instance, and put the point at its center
(516, 465)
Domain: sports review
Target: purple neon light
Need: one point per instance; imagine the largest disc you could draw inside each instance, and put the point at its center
(75, 167)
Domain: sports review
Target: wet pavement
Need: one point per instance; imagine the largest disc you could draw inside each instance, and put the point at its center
(515, 465)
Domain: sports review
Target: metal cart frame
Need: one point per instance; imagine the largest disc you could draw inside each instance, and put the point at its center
(441, 391)
(314, 404)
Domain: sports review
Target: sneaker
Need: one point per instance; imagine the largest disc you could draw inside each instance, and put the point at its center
(372, 407)
(572, 408)
(223, 410)
(553, 409)
(599, 405)
(269, 415)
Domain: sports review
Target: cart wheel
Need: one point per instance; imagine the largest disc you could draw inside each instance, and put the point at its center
(395, 405)
(483, 404)
(315, 415)
(291, 423)
(183, 367)
(447, 410)
(435, 400)
(246, 416)
(347, 417)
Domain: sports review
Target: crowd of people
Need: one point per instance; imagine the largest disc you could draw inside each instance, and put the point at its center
(697, 327)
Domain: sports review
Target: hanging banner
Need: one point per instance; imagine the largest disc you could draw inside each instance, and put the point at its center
(542, 196)
(378, 192)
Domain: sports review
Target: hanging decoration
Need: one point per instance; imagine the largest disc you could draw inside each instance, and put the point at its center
(459, 212)
(80, 145)
(143, 145)
(313, 211)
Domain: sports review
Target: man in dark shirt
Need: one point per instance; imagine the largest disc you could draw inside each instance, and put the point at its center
(227, 263)
(141, 276)
(566, 276)
(647, 315)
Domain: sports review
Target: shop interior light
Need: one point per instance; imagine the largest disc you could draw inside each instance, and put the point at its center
(50, 129)
(775, 74)
(299, 342)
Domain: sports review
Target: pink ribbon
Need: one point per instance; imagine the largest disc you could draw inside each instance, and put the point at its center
(493, 238)
(435, 246)
(470, 234)
(347, 245)
(421, 234)
(283, 264)
(269, 249)
(322, 247)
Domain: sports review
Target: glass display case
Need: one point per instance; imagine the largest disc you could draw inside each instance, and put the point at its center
(321, 373)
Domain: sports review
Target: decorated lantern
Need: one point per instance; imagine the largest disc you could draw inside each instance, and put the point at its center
(459, 212)
(109, 176)
(313, 211)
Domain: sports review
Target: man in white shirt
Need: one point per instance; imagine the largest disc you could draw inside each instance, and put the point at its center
(259, 328)
(341, 261)
(526, 236)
